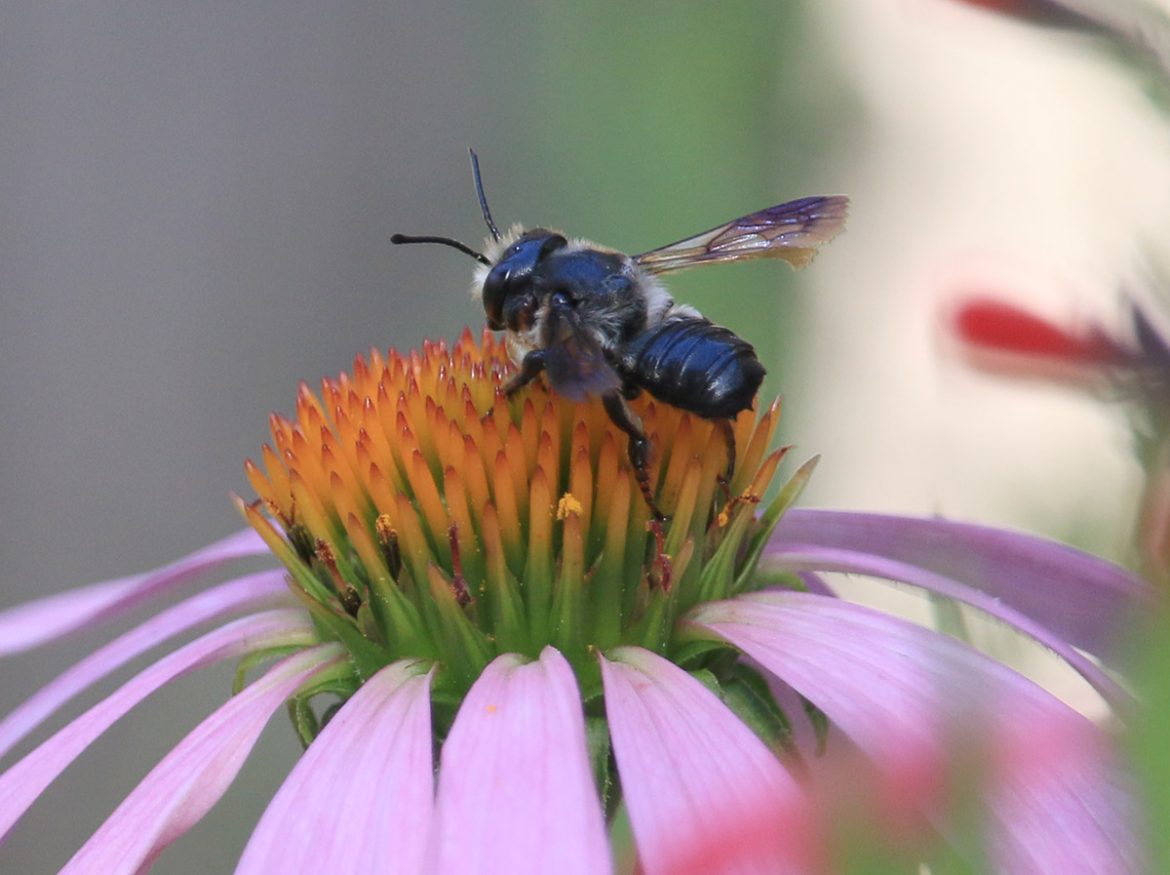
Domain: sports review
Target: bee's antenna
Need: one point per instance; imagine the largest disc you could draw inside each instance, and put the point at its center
(487, 215)
(446, 241)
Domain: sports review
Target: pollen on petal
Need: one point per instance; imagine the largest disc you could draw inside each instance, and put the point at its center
(568, 504)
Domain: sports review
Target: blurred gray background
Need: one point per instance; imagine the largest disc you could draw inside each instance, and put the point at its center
(196, 201)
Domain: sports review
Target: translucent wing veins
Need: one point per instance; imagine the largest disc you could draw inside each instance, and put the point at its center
(790, 231)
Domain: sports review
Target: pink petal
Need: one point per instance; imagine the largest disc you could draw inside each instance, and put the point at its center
(246, 593)
(27, 779)
(1086, 601)
(516, 792)
(1072, 599)
(34, 623)
(192, 777)
(903, 693)
(704, 794)
(360, 799)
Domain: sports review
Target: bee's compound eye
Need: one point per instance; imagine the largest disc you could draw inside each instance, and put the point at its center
(493, 294)
(562, 299)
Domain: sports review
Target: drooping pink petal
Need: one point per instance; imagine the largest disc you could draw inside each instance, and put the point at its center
(831, 559)
(192, 777)
(1086, 601)
(516, 793)
(703, 792)
(245, 593)
(37, 622)
(901, 693)
(27, 779)
(360, 800)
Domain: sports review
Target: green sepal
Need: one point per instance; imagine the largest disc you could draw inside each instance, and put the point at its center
(506, 610)
(718, 572)
(747, 694)
(467, 649)
(400, 620)
(304, 721)
(605, 588)
(445, 702)
(366, 656)
(652, 630)
(708, 679)
(339, 681)
(789, 492)
(693, 652)
(600, 757)
(251, 660)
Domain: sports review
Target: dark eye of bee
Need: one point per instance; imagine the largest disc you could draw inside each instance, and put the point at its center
(563, 299)
(512, 274)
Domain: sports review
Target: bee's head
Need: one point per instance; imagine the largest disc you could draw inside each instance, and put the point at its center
(509, 296)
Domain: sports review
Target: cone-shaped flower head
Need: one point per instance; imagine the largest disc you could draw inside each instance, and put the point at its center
(422, 515)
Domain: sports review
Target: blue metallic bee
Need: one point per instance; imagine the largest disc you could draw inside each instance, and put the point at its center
(599, 323)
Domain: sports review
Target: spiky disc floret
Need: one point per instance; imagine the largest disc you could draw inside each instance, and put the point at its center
(420, 514)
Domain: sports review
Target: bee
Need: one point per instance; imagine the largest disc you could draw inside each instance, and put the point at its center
(600, 324)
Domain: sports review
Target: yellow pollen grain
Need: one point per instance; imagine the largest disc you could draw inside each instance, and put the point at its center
(568, 504)
(384, 526)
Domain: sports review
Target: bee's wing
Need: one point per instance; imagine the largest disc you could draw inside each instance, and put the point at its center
(791, 231)
(574, 359)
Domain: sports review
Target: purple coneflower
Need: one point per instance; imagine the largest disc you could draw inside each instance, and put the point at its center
(522, 664)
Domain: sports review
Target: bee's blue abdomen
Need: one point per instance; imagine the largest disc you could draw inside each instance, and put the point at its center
(695, 365)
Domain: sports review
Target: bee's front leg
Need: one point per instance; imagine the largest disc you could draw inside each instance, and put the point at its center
(530, 367)
(639, 448)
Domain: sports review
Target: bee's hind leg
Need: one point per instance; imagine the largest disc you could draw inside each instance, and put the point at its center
(639, 446)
